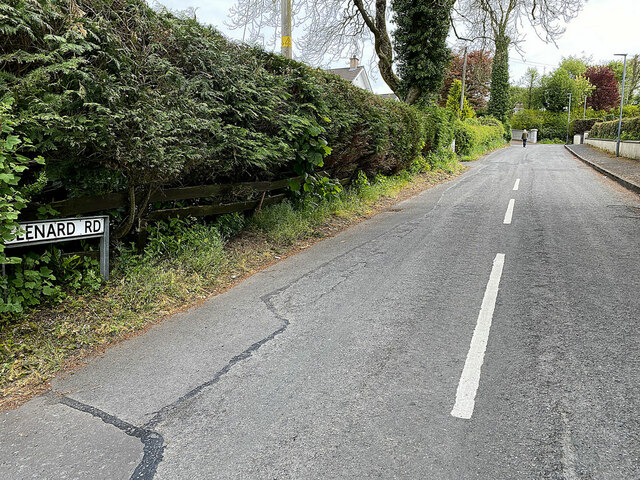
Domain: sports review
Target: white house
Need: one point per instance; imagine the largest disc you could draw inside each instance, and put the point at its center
(355, 74)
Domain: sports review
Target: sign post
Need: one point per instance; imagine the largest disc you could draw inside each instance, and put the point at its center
(39, 232)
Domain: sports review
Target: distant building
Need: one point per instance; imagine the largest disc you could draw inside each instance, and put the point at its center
(355, 74)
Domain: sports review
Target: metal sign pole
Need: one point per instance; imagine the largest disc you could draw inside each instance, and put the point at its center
(104, 251)
(569, 117)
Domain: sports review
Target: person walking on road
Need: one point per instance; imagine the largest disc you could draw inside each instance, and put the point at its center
(525, 136)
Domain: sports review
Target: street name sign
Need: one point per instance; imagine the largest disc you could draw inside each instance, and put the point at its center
(39, 232)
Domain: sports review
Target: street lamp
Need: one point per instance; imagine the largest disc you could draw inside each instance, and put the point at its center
(584, 114)
(624, 79)
(569, 116)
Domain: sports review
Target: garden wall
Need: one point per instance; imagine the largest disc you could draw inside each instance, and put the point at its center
(628, 148)
(517, 135)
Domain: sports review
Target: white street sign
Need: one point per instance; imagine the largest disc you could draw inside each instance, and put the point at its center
(65, 229)
(59, 230)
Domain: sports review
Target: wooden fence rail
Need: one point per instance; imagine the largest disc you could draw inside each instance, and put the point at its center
(82, 205)
(207, 210)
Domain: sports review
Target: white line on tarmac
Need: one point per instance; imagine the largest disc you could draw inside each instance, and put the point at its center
(470, 378)
(509, 214)
(515, 187)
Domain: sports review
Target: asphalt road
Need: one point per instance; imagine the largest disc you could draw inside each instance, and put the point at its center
(459, 335)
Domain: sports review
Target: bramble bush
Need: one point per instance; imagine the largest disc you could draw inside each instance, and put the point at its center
(30, 280)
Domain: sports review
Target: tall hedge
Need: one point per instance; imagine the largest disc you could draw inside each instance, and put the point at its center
(609, 130)
(477, 135)
(118, 96)
(580, 126)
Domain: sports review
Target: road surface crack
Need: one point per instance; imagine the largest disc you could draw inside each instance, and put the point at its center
(153, 442)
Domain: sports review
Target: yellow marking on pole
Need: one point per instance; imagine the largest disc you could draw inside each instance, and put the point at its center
(286, 41)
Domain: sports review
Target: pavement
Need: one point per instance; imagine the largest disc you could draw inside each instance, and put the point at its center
(625, 171)
(484, 329)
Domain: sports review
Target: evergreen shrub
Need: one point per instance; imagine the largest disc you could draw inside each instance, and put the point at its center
(117, 96)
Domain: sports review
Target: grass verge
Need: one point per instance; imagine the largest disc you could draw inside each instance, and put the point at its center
(183, 264)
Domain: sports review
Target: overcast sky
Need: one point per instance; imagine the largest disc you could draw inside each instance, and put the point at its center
(604, 27)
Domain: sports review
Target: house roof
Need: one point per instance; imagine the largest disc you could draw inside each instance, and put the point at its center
(349, 74)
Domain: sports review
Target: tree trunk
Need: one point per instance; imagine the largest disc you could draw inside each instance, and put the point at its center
(413, 95)
(499, 98)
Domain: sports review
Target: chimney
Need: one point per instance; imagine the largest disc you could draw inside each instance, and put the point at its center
(353, 64)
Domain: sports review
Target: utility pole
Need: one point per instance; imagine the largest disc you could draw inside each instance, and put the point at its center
(584, 114)
(287, 46)
(464, 77)
(624, 79)
(569, 117)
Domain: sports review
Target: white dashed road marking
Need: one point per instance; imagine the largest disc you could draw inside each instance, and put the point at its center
(470, 378)
(509, 214)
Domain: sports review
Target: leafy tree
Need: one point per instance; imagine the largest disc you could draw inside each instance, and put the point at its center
(453, 102)
(420, 42)
(478, 78)
(633, 80)
(582, 88)
(531, 83)
(517, 96)
(606, 94)
(574, 65)
(633, 77)
(560, 83)
(499, 21)
(556, 88)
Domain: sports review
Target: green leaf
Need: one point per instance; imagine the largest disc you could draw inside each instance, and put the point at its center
(315, 158)
(48, 291)
(11, 141)
(294, 185)
(315, 130)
